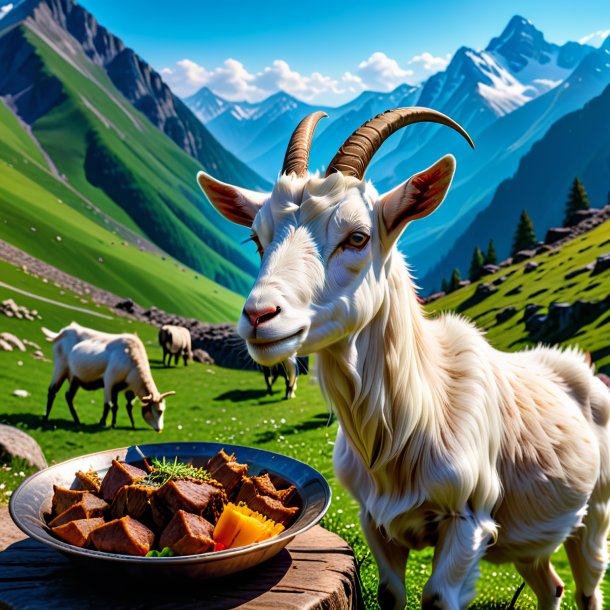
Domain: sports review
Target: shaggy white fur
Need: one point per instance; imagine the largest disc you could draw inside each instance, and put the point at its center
(443, 440)
(92, 359)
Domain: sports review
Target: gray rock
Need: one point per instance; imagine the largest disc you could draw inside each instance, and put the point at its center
(506, 314)
(16, 443)
(580, 215)
(530, 266)
(523, 255)
(555, 234)
(200, 355)
(530, 310)
(500, 280)
(489, 269)
(483, 290)
(602, 263)
(535, 323)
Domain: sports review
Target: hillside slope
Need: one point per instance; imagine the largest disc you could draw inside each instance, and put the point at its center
(48, 218)
(110, 153)
(547, 288)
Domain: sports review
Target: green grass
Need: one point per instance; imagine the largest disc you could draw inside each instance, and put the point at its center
(211, 404)
(543, 286)
(119, 171)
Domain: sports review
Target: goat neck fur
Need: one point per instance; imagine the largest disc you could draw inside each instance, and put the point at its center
(443, 440)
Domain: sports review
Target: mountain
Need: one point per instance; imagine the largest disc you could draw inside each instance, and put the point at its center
(576, 145)
(259, 132)
(112, 137)
(499, 149)
(476, 89)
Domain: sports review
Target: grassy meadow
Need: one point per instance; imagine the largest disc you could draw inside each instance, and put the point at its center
(211, 404)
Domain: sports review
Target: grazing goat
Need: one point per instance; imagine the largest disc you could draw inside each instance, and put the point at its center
(444, 440)
(289, 370)
(91, 359)
(175, 340)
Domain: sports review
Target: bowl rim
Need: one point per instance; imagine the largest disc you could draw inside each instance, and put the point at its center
(41, 532)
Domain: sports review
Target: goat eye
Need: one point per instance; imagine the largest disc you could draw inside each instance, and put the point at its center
(357, 240)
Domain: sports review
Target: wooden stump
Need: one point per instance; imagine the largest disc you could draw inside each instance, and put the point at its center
(315, 571)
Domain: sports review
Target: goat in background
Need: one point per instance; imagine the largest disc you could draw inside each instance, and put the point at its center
(91, 360)
(175, 341)
(444, 440)
(287, 369)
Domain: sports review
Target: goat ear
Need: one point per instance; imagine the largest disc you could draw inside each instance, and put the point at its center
(237, 204)
(418, 197)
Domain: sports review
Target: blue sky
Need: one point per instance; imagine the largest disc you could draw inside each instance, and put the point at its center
(323, 52)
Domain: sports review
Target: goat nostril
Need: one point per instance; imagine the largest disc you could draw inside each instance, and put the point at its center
(260, 316)
(268, 315)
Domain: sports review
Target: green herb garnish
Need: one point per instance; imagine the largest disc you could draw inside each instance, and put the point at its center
(164, 471)
(166, 552)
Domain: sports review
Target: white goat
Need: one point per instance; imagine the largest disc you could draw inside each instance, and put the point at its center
(443, 440)
(91, 359)
(175, 341)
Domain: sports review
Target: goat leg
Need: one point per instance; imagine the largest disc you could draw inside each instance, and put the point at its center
(391, 560)
(130, 397)
(74, 385)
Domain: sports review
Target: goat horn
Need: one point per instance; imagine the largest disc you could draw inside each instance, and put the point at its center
(146, 399)
(166, 394)
(297, 154)
(354, 156)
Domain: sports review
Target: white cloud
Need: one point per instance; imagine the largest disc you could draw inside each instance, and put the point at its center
(5, 9)
(595, 39)
(382, 73)
(233, 81)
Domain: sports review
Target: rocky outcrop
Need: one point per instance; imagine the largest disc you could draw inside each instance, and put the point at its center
(14, 443)
(556, 234)
(10, 309)
(505, 314)
(602, 263)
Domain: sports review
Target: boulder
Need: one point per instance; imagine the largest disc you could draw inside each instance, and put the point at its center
(523, 255)
(200, 355)
(489, 269)
(506, 314)
(530, 310)
(483, 290)
(16, 443)
(580, 215)
(560, 315)
(535, 323)
(125, 305)
(602, 263)
(500, 280)
(530, 266)
(13, 340)
(434, 297)
(555, 234)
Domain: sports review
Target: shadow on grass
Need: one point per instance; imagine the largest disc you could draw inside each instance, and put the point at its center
(320, 420)
(31, 421)
(242, 395)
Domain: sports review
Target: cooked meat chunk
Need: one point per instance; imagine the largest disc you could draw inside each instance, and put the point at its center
(119, 474)
(218, 460)
(188, 534)
(132, 500)
(64, 498)
(269, 507)
(89, 506)
(77, 532)
(230, 475)
(87, 481)
(199, 497)
(126, 536)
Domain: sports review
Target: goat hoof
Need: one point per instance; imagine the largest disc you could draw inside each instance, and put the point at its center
(387, 600)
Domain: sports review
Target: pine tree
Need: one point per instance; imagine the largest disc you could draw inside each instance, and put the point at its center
(577, 200)
(491, 258)
(454, 282)
(476, 265)
(445, 286)
(525, 237)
